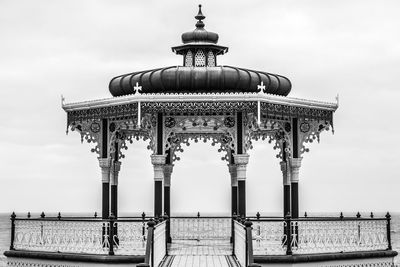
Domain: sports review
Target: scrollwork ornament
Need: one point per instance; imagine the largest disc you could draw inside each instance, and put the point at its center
(310, 131)
(89, 131)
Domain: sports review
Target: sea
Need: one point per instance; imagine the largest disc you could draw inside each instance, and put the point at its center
(5, 225)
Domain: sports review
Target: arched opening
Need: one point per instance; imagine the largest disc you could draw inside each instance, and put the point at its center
(264, 181)
(200, 182)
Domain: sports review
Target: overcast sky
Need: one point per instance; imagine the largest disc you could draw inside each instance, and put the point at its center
(74, 48)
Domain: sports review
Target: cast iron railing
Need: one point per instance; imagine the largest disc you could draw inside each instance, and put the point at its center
(311, 235)
(89, 235)
(200, 228)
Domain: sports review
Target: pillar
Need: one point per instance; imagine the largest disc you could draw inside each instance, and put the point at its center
(234, 189)
(295, 164)
(115, 168)
(167, 199)
(158, 162)
(286, 187)
(167, 184)
(241, 161)
(105, 164)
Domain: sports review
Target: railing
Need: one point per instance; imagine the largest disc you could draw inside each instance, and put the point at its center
(239, 242)
(320, 235)
(156, 247)
(79, 235)
(200, 228)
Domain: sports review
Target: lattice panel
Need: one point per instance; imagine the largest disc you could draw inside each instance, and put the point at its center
(210, 59)
(200, 59)
(189, 59)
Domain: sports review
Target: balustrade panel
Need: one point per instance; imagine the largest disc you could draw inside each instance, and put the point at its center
(269, 237)
(131, 238)
(200, 228)
(338, 236)
(62, 236)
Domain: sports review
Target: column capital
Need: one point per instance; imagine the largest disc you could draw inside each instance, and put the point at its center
(285, 172)
(233, 172)
(168, 168)
(116, 167)
(295, 164)
(105, 164)
(158, 162)
(157, 159)
(241, 161)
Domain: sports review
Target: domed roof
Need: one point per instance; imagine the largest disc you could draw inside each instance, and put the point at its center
(180, 79)
(200, 72)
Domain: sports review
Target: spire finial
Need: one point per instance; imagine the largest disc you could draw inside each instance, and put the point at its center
(200, 17)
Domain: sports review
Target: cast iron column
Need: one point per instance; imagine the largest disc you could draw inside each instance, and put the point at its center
(286, 187)
(241, 161)
(234, 185)
(158, 162)
(295, 164)
(167, 198)
(115, 168)
(105, 164)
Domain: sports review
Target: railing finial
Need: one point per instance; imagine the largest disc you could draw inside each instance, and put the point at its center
(358, 215)
(258, 215)
(29, 215)
(341, 215)
(95, 214)
(59, 216)
(42, 215)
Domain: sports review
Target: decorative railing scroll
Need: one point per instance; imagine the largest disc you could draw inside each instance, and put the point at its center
(269, 237)
(320, 235)
(79, 235)
(201, 228)
(61, 236)
(131, 237)
(240, 243)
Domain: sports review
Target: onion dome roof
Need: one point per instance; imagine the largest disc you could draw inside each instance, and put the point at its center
(200, 72)
(181, 79)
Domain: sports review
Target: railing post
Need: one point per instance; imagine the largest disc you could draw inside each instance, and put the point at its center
(12, 230)
(389, 239)
(249, 245)
(166, 219)
(148, 259)
(111, 236)
(288, 234)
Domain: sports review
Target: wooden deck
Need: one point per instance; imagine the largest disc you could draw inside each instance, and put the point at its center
(204, 253)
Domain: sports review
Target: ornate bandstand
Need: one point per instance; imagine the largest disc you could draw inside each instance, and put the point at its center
(230, 107)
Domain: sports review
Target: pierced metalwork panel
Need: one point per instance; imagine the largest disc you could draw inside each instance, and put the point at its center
(199, 107)
(126, 111)
(131, 238)
(61, 236)
(201, 228)
(338, 236)
(269, 237)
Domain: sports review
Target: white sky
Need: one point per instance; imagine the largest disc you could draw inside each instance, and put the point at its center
(49, 48)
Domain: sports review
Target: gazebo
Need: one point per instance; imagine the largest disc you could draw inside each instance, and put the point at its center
(230, 107)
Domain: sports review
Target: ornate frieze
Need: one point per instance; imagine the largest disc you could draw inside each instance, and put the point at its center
(198, 108)
(109, 112)
(281, 110)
